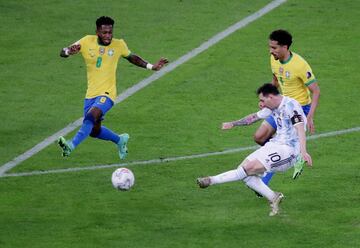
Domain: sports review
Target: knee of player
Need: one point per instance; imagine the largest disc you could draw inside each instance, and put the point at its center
(253, 167)
(247, 166)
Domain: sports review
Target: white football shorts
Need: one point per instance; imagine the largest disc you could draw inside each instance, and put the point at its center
(275, 157)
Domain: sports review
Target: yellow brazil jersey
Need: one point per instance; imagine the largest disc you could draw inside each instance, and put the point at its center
(294, 75)
(101, 63)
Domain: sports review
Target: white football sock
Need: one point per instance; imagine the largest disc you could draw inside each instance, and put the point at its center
(255, 183)
(229, 176)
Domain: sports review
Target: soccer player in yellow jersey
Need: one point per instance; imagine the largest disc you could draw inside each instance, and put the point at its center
(293, 75)
(101, 53)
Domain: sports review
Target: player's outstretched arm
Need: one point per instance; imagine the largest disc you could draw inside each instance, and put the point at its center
(263, 113)
(70, 50)
(247, 120)
(138, 61)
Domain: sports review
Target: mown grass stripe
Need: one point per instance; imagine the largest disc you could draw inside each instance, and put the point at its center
(164, 160)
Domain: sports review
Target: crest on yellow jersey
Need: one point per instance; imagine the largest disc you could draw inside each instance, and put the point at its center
(111, 52)
(287, 74)
(102, 50)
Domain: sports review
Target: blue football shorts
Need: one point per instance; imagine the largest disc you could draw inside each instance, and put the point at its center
(102, 102)
(271, 121)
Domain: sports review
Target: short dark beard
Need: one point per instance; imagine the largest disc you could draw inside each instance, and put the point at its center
(102, 43)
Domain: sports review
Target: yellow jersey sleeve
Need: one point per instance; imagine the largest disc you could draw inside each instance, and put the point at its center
(83, 42)
(306, 75)
(124, 49)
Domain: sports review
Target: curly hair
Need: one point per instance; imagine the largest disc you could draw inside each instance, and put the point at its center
(104, 20)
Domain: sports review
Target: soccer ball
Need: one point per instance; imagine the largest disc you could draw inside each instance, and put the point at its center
(122, 179)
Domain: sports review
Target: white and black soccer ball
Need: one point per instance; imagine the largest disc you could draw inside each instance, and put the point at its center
(122, 179)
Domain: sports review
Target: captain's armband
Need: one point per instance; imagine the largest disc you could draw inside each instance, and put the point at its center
(296, 118)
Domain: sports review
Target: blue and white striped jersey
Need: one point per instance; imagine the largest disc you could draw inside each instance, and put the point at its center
(287, 115)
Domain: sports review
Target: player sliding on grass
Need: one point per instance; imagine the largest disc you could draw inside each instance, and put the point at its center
(279, 154)
(293, 75)
(101, 54)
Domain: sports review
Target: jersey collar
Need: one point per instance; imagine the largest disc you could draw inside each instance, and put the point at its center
(287, 61)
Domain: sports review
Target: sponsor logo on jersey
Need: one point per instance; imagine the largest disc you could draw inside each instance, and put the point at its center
(101, 50)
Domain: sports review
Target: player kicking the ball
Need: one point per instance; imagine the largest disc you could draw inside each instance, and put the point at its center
(101, 54)
(279, 154)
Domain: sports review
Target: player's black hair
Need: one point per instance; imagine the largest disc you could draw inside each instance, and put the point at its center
(267, 89)
(283, 37)
(104, 20)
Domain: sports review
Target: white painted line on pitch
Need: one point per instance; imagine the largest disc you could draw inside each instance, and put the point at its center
(132, 90)
(164, 160)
